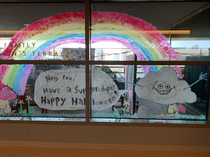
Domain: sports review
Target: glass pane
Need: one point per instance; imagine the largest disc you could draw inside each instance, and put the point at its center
(43, 91)
(149, 92)
(47, 31)
(192, 49)
(152, 31)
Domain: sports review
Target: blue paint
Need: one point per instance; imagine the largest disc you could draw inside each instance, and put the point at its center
(18, 77)
(136, 44)
(30, 56)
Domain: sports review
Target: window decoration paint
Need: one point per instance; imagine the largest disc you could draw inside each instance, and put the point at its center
(43, 35)
(65, 90)
(6, 93)
(165, 88)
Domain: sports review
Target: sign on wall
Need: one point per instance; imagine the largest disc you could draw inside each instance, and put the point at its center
(65, 90)
(76, 54)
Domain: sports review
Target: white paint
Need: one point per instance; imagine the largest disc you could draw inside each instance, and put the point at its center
(65, 90)
(164, 88)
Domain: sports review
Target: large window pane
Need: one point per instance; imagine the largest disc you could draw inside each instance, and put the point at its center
(54, 91)
(149, 92)
(42, 31)
(49, 31)
(152, 31)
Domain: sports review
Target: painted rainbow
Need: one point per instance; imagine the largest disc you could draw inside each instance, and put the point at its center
(137, 35)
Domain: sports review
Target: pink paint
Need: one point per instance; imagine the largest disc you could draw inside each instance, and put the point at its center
(139, 55)
(127, 110)
(1, 85)
(58, 43)
(3, 69)
(179, 72)
(123, 18)
(95, 40)
(146, 68)
(140, 25)
(181, 108)
(7, 94)
(128, 58)
(36, 25)
(131, 93)
(130, 86)
(29, 67)
(26, 73)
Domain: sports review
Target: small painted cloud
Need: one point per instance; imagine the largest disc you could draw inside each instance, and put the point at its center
(164, 88)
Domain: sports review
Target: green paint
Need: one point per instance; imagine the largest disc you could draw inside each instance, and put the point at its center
(123, 109)
(39, 41)
(13, 75)
(141, 39)
(30, 109)
(107, 115)
(20, 110)
(116, 113)
(180, 116)
(151, 116)
(28, 104)
(3, 113)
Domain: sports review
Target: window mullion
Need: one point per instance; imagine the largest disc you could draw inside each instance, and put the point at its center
(87, 45)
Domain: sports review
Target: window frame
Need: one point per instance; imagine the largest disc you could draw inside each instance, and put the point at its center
(89, 62)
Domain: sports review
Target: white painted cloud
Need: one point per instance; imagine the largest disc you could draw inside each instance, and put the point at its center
(164, 88)
(65, 89)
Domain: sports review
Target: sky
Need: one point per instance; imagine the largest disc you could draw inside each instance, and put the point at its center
(204, 44)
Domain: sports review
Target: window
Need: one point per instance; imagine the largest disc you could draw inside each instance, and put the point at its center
(139, 38)
(36, 47)
(146, 61)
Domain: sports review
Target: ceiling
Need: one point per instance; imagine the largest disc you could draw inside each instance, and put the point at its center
(161, 15)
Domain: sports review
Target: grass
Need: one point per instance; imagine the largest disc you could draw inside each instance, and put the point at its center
(30, 111)
(20, 111)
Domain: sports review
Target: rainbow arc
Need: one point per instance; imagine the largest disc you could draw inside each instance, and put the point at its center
(43, 35)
